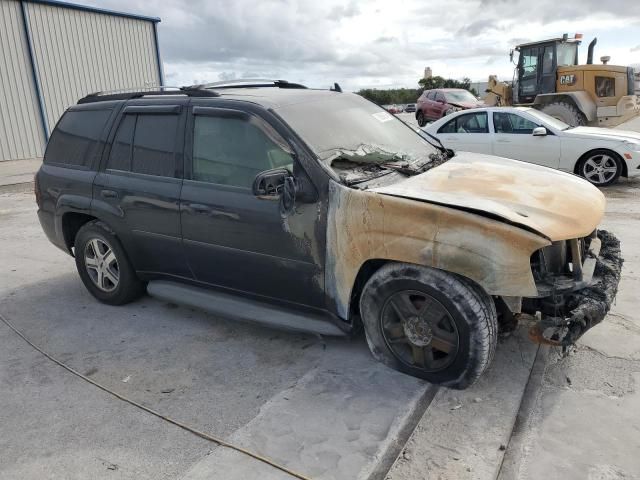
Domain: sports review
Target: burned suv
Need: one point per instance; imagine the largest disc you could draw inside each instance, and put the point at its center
(316, 210)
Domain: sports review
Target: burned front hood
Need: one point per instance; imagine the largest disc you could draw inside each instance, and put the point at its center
(555, 204)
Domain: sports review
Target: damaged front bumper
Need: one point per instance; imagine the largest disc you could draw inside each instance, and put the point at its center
(566, 314)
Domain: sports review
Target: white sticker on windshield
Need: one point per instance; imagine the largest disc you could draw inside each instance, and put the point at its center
(382, 116)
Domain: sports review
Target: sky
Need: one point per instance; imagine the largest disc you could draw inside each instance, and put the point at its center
(372, 43)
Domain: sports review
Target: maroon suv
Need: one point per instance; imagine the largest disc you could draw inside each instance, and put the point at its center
(434, 104)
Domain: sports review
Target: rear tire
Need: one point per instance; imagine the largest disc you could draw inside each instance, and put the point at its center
(565, 112)
(103, 265)
(429, 324)
(422, 120)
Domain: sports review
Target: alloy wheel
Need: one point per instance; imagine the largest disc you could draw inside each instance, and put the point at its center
(419, 330)
(600, 169)
(101, 264)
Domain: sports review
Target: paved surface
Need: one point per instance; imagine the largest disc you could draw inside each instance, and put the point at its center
(461, 434)
(323, 407)
(16, 172)
(585, 423)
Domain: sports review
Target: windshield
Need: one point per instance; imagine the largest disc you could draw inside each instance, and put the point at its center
(460, 96)
(549, 120)
(352, 134)
(567, 54)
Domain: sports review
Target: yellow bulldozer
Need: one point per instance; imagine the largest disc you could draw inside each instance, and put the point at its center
(547, 77)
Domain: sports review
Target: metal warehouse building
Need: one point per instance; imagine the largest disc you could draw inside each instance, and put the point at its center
(53, 53)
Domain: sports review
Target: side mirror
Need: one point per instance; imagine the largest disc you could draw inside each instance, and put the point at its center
(540, 132)
(270, 183)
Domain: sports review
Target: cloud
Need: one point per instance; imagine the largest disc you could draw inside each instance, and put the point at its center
(363, 43)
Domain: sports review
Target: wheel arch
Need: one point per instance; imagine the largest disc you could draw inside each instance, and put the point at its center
(71, 222)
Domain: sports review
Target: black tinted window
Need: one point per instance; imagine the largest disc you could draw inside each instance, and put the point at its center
(154, 145)
(75, 140)
(120, 157)
(232, 151)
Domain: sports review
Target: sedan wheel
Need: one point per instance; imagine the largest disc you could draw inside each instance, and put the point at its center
(600, 169)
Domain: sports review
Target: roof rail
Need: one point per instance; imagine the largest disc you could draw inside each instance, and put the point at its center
(138, 92)
(247, 83)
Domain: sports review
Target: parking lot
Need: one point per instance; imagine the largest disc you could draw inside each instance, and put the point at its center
(321, 407)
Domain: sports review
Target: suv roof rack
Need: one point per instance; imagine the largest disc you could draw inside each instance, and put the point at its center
(247, 83)
(138, 92)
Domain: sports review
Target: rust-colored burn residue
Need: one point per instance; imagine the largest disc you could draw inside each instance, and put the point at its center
(558, 205)
(365, 225)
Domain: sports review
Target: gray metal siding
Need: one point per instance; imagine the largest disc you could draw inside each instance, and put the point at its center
(21, 134)
(79, 52)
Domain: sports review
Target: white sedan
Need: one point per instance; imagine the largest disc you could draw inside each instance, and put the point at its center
(600, 155)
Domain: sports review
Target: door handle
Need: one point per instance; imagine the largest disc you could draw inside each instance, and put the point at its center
(109, 194)
(198, 207)
(503, 141)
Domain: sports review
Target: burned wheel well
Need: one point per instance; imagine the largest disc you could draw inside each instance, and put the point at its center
(71, 223)
(367, 269)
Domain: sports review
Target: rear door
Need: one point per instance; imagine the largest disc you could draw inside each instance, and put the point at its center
(513, 138)
(232, 238)
(467, 132)
(439, 105)
(138, 190)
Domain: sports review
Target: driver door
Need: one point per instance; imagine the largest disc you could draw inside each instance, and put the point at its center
(236, 240)
(513, 138)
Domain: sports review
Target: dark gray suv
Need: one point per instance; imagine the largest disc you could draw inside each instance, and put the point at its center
(316, 210)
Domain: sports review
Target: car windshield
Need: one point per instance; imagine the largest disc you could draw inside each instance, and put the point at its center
(356, 137)
(549, 120)
(460, 96)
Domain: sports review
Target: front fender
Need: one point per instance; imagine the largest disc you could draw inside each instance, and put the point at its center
(365, 225)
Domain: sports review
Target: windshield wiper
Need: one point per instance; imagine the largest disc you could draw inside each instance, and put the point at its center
(447, 151)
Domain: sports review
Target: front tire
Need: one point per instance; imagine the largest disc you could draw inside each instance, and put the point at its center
(103, 265)
(429, 324)
(600, 167)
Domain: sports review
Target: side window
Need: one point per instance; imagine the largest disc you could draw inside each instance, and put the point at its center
(449, 127)
(468, 123)
(120, 156)
(547, 60)
(145, 143)
(529, 61)
(233, 150)
(511, 123)
(441, 98)
(605, 87)
(76, 138)
(154, 144)
(431, 95)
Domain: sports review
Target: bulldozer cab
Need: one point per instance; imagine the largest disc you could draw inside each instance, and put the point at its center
(538, 63)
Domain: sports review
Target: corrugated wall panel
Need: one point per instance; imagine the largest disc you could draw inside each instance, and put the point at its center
(79, 52)
(21, 134)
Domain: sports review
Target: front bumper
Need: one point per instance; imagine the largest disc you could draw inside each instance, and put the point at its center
(586, 307)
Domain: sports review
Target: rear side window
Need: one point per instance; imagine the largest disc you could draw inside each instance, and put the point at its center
(467, 123)
(76, 139)
(145, 144)
(504, 122)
